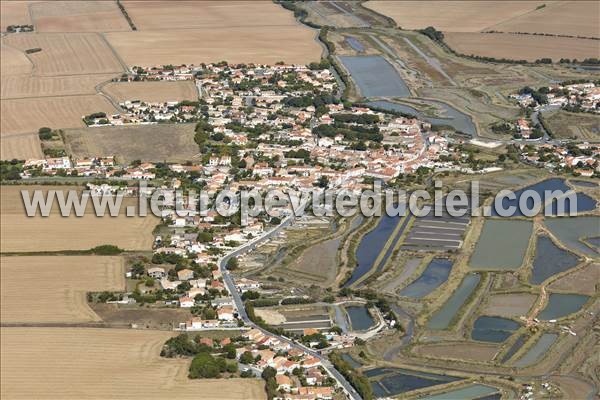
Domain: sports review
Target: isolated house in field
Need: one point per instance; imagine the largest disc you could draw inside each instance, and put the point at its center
(157, 272)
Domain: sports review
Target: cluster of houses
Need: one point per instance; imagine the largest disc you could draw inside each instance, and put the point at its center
(269, 351)
(161, 73)
(582, 159)
(584, 97)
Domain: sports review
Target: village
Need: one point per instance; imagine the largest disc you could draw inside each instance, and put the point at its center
(277, 127)
(577, 97)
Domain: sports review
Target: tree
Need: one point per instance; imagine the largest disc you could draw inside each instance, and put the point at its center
(205, 237)
(204, 365)
(250, 295)
(229, 350)
(246, 358)
(269, 373)
(209, 313)
(323, 181)
(232, 264)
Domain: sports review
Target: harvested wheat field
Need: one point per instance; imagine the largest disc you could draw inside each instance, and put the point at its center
(67, 54)
(165, 15)
(522, 47)
(478, 352)
(265, 44)
(13, 61)
(14, 87)
(170, 142)
(28, 115)
(21, 146)
(509, 305)
(53, 233)
(158, 91)
(14, 12)
(573, 18)
(454, 16)
(63, 363)
(78, 16)
(53, 288)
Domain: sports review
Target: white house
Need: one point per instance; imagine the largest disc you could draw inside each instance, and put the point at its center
(186, 302)
(225, 313)
(157, 272)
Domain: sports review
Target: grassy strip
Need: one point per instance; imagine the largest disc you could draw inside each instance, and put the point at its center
(353, 246)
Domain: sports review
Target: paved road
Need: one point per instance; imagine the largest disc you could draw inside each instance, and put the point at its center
(229, 281)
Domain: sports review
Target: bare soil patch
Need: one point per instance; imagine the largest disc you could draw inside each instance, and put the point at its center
(582, 281)
(319, 261)
(67, 54)
(251, 44)
(160, 142)
(509, 305)
(574, 125)
(271, 317)
(145, 318)
(78, 16)
(54, 233)
(160, 91)
(53, 288)
(459, 351)
(127, 360)
(521, 47)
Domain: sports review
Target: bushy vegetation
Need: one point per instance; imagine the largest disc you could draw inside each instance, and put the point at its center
(205, 365)
(356, 379)
(106, 250)
(10, 170)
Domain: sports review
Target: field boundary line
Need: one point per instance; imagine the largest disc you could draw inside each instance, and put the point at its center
(114, 51)
(520, 15)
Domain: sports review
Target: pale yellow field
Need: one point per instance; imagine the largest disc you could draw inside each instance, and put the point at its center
(13, 61)
(267, 44)
(67, 54)
(574, 18)
(53, 288)
(63, 363)
(19, 86)
(453, 16)
(23, 234)
(167, 15)
(28, 115)
(522, 47)
(159, 91)
(78, 16)
(20, 146)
